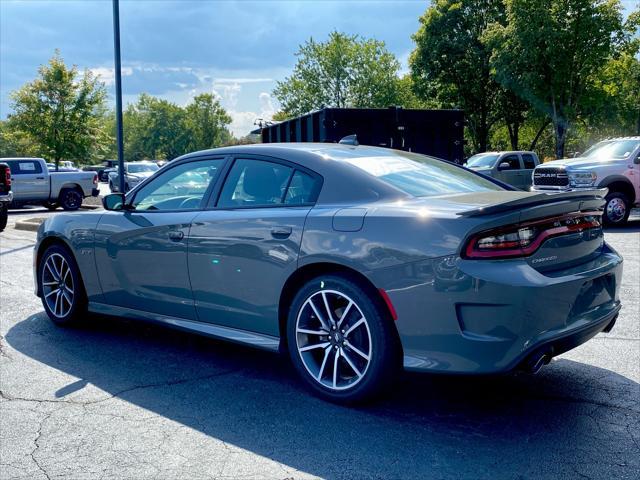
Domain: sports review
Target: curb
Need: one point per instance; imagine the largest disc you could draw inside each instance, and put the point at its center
(30, 224)
(90, 207)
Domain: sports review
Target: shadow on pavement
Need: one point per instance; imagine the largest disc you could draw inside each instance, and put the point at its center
(572, 419)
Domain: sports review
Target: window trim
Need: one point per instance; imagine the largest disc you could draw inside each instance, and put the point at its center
(205, 198)
(214, 203)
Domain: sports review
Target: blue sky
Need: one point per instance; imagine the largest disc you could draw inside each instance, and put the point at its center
(177, 49)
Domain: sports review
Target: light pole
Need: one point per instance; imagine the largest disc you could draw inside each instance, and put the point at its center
(118, 79)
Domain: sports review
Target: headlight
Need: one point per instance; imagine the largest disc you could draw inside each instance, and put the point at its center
(582, 179)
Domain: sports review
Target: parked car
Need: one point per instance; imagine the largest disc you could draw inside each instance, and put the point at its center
(613, 164)
(355, 260)
(98, 169)
(134, 173)
(34, 183)
(6, 195)
(513, 168)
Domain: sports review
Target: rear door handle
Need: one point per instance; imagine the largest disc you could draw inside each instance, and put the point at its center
(39, 178)
(280, 232)
(176, 235)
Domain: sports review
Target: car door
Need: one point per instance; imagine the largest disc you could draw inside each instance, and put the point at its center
(513, 173)
(30, 180)
(528, 164)
(243, 249)
(141, 252)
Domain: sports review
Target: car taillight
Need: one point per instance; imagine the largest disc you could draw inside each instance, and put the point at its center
(7, 177)
(95, 179)
(524, 239)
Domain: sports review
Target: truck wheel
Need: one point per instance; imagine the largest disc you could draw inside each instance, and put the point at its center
(4, 215)
(50, 205)
(616, 211)
(70, 199)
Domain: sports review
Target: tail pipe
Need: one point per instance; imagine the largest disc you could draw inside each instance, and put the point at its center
(537, 360)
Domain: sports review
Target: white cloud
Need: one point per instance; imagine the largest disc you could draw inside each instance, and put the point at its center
(108, 76)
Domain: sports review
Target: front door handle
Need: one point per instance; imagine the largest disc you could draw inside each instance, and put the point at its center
(280, 232)
(39, 178)
(176, 235)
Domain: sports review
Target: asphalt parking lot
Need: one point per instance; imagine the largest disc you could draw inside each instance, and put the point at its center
(119, 399)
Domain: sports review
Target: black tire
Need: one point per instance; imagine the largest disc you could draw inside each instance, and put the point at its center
(381, 345)
(50, 205)
(617, 209)
(71, 312)
(70, 198)
(4, 215)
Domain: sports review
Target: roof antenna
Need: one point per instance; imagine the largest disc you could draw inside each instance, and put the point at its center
(349, 140)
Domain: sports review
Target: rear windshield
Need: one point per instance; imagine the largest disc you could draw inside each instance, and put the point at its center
(423, 176)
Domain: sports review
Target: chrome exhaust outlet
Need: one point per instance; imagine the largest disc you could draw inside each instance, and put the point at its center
(536, 361)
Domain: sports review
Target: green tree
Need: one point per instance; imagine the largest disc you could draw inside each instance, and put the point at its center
(61, 112)
(549, 54)
(451, 62)
(344, 71)
(207, 122)
(154, 129)
(158, 129)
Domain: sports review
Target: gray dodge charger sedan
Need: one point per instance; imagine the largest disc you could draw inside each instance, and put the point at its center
(355, 260)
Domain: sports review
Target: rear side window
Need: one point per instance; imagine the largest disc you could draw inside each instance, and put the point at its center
(303, 188)
(422, 176)
(24, 167)
(529, 162)
(255, 183)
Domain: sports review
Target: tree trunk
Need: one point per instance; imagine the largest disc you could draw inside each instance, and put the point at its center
(560, 128)
(539, 134)
(514, 133)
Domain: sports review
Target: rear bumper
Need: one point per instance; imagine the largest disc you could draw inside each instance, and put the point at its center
(465, 316)
(8, 197)
(95, 192)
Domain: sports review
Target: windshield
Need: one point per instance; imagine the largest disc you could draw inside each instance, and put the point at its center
(482, 160)
(142, 167)
(423, 176)
(614, 149)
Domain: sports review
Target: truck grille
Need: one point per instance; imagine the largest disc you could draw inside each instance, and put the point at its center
(552, 177)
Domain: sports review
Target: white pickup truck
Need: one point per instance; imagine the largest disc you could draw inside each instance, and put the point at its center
(33, 183)
(612, 164)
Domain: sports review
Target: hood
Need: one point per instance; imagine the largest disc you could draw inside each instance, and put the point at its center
(580, 163)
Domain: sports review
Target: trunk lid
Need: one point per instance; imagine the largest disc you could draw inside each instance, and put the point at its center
(566, 226)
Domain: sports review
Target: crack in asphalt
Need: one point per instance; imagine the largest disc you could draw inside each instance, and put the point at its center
(36, 443)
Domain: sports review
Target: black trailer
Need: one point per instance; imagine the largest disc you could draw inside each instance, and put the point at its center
(433, 132)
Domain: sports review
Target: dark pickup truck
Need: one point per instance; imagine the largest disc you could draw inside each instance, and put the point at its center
(6, 196)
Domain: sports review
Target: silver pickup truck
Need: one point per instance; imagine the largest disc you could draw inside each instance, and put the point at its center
(510, 167)
(33, 183)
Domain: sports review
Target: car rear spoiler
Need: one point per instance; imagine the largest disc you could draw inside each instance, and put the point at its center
(538, 199)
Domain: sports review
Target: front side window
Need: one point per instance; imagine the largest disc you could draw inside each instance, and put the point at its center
(513, 161)
(180, 188)
(255, 183)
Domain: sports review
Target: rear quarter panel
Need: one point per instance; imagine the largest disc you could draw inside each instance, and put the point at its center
(60, 180)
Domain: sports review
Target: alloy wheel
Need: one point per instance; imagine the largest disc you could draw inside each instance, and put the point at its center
(57, 285)
(333, 339)
(616, 209)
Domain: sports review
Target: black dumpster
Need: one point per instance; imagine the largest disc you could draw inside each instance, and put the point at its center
(433, 132)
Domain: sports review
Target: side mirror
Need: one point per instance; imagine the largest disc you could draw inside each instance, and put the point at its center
(504, 166)
(113, 201)
(637, 160)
